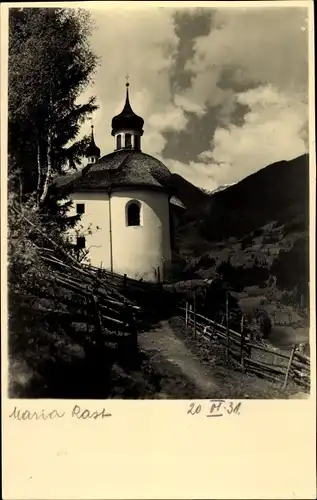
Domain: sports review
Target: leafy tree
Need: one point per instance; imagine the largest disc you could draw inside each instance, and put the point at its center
(50, 64)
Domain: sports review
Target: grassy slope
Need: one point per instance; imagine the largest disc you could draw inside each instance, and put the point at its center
(259, 226)
(251, 223)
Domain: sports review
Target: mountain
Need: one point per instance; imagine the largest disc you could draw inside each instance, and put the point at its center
(278, 192)
(251, 225)
(219, 188)
(191, 196)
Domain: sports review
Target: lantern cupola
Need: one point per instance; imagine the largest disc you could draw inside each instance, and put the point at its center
(92, 151)
(127, 127)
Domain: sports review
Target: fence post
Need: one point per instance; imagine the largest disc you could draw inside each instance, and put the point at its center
(186, 315)
(158, 274)
(95, 304)
(195, 314)
(302, 303)
(289, 367)
(124, 280)
(98, 321)
(242, 342)
(88, 309)
(227, 323)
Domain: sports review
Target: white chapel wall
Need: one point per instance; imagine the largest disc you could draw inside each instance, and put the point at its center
(137, 251)
(96, 215)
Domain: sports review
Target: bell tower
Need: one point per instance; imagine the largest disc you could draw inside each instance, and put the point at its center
(92, 152)
(127, 127)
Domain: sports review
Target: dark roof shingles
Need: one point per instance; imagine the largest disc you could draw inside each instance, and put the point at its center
(122, 168)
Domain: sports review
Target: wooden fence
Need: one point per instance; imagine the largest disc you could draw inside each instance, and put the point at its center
(155, 300)
(93, 304)
(265, 361)
(123, 304)
(93, 300)
(122, 282)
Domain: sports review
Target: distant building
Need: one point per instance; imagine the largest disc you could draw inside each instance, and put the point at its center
(127, 195)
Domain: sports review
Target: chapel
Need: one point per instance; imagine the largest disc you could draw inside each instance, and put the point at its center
(126, 204)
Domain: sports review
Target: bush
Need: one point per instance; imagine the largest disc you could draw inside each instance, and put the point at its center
(232, 240)
(286, 298)
(246, 242)
(257, 232)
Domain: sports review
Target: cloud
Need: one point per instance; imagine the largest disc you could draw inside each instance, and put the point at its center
(243, 103)
(272, 130)
(263, 45)
(198, 173)
(142, 44)
(253, 60)
(169, 118)
(186, 104)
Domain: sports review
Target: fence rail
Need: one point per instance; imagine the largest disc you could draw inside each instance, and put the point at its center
(262, 360)
(94, 304)
(110, 315)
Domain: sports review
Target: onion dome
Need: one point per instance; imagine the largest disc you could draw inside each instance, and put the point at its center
(127, 119)
(92, 150)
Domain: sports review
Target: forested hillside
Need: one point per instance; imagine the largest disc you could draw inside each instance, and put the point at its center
(257, 228)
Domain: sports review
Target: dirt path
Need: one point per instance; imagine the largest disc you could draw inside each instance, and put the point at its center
(190, 369)
(164, 341)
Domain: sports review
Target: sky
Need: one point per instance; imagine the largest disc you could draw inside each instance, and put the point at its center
(223, 91)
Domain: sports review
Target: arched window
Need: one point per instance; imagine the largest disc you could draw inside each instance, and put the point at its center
(128, 142)
(133, 213)
(119, 141)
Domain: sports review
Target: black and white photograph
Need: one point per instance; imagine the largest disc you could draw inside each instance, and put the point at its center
(158, 218)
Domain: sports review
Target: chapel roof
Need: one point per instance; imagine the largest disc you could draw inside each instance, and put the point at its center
(121, 169)
(124, 169)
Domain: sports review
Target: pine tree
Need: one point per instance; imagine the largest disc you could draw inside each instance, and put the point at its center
(50, 64)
